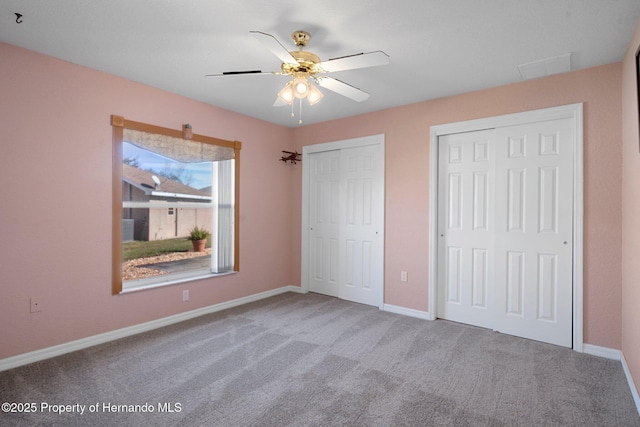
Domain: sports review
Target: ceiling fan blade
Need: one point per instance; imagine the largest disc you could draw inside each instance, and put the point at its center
(279, 102)
(342, 88)
(271, 43)
(239, 73)
(359, 60)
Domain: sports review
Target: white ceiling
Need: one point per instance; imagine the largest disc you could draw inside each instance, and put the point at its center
(436, 47)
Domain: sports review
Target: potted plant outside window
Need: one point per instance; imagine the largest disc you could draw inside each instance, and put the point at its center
(198, 237)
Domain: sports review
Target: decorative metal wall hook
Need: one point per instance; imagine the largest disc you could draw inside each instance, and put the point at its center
(293, 157)
(18, 18)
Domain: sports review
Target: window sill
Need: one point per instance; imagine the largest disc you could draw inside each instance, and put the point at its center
(135, 286)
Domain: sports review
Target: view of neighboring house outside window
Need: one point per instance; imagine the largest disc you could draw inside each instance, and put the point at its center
(150, 224)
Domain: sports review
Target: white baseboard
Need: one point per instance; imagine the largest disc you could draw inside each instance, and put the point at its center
(607, 353)
(632, 386)
(57, 350)
(406, 311)
(610, 353)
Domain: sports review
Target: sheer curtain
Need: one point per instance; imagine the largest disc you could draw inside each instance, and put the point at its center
(223, 200)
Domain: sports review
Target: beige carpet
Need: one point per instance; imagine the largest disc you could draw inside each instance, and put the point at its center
(310, 360)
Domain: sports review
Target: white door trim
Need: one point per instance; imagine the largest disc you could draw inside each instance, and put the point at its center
(572, 111)
(306, 176)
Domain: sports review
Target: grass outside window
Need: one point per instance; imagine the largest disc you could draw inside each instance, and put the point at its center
(140, 249)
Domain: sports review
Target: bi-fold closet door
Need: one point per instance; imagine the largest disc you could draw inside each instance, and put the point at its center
(345, 221)
(505, 229)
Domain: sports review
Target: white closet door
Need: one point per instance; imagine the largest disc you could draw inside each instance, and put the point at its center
(505, 225)
(534, 199)
(324, 223)
(361, 256)
(345, 249)
(465, 225)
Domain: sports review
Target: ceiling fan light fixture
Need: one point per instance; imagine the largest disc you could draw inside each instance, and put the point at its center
(314, 95)
(300, 87)
(286, 93)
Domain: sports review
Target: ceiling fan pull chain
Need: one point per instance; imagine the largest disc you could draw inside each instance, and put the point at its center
(300, 103)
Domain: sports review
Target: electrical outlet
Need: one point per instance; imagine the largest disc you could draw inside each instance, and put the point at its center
(403, 276)
(185, 295)
(36, 305)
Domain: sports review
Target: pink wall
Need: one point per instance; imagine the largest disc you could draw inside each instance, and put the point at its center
(56, 141)
(406, 132)
(55, 209)
(631, 212)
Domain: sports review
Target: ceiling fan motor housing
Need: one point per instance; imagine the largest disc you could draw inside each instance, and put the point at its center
(307, 63)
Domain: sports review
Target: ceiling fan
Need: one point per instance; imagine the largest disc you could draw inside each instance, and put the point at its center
(305, 67)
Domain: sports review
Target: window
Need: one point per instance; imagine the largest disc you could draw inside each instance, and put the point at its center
(165, 189)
